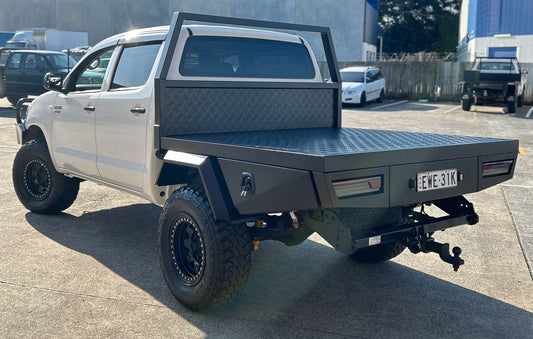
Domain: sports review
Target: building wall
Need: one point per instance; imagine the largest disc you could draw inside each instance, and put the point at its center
(102, 18)
(485, 24)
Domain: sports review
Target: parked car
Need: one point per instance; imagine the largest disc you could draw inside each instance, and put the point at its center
(362, 84)
(494, 81)
(24, 71)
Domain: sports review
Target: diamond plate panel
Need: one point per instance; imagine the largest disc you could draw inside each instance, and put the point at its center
(215, 110)
(331, 142)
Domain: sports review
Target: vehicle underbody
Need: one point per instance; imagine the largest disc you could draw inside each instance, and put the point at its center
(352, 230)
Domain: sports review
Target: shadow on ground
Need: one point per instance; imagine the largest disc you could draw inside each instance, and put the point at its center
(308, 290)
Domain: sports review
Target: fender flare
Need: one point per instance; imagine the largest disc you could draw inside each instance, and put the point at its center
(177, 168)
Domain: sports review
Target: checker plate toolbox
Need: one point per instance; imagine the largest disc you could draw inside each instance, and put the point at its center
(279, 148)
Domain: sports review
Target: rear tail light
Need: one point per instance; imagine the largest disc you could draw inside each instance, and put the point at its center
(355, 187)
(494, 168)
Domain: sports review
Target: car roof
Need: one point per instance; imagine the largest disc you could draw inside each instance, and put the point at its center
(357, 69)
(487, 60)
(34, 51)
(160, 32)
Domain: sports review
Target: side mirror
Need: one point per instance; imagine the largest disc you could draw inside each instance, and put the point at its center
(53, 82)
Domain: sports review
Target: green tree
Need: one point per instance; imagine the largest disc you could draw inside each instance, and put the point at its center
(423, 25)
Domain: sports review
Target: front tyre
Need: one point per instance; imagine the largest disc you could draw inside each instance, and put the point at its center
(362, 101)
(466, 104)
(13, 100)
(381, 96)
(39, 187)
(203, 262)
(511, 106)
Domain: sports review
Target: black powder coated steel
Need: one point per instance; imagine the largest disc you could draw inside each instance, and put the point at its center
(273, 101)
(330, 149)
(197, 110)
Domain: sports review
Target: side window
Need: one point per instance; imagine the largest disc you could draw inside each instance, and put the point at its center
(92, 76)
(34, 61)
(379, 75)
(14, 61)
(135, 65)
(30, 63)
(3, 58)
(369, 77)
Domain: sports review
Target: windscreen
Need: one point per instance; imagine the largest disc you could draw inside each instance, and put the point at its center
(495, 66)
(61, 61)
(213, 56)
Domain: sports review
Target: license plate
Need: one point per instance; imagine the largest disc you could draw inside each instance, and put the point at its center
(434, 180)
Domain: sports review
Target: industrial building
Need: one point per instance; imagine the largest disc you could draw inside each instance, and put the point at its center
(496, 28)
(353, 22)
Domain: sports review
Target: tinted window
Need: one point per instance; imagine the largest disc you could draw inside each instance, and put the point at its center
(61, 61)
(497, 66)
(35, 61)
(3, 58)
(353, 76)
(92, 76)
(370, 76)
(135, 65)
(14, 61)
(245, 57)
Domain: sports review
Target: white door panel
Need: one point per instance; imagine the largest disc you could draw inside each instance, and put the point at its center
(121, 136)
(73, 142)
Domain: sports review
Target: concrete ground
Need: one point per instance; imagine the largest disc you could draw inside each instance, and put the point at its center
(93, 271)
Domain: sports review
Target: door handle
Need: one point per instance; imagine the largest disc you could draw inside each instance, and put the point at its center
(138, 110)
(89, 108)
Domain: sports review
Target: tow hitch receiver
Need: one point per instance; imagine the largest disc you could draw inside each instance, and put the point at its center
(427, 245)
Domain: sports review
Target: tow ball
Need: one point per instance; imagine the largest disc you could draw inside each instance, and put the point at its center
(429, 245)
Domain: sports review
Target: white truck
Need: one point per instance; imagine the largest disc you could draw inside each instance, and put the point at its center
(234, 132)
(47, 39)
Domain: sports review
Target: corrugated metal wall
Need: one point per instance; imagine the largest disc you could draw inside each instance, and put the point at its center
(514, 17)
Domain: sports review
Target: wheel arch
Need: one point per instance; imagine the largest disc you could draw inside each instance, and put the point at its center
(34, 132)
(198, 170)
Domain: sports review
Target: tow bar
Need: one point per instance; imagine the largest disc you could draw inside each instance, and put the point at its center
(427, 244)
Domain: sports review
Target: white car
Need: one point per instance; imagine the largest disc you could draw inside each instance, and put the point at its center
(362, 84)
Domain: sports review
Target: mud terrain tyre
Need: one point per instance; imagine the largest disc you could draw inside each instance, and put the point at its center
(203, 262)
(38, 186)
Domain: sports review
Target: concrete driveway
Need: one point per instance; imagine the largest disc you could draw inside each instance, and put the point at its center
(93, 271)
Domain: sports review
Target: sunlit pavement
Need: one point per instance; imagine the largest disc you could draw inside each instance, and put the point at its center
(93, 271)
